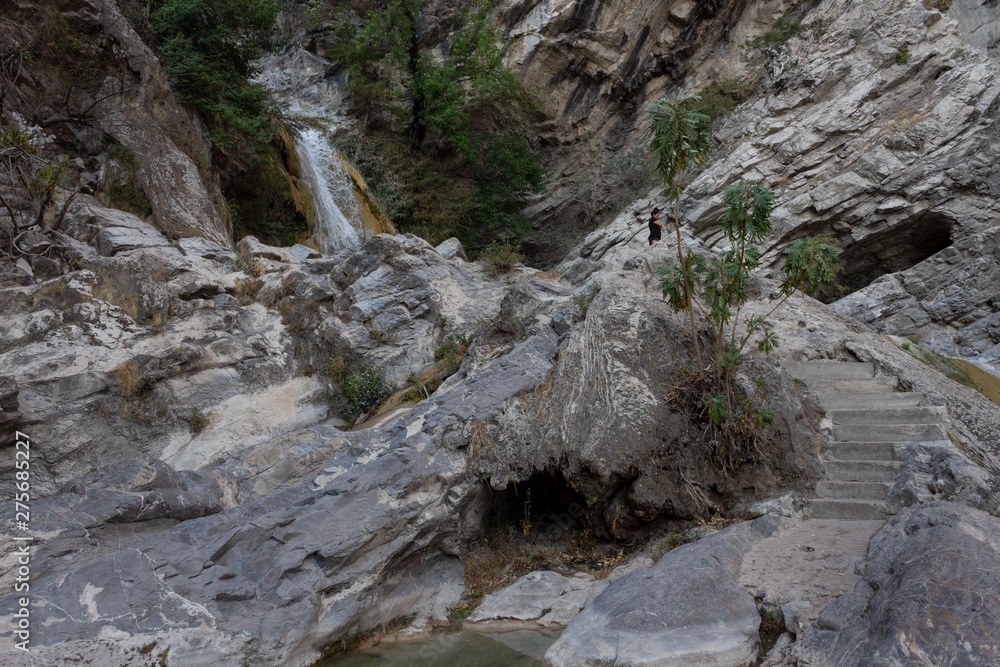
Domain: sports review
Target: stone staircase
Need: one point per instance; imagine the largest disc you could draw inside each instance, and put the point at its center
(870, 420)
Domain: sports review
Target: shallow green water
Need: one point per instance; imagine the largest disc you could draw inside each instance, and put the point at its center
(521, 648)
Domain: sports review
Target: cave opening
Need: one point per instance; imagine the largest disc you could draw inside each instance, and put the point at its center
(893, 249)
(541, 509)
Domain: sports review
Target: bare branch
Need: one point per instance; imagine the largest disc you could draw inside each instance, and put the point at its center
(58, 220)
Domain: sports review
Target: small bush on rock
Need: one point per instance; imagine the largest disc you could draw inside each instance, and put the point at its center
(199, 420)
(363, 392)
(500, 258)
(452, 351)
(353, 393)
(903, 55)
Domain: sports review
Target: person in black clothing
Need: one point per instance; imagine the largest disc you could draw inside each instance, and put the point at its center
(655, 226)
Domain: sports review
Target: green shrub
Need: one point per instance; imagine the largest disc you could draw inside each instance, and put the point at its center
(353, 392)
(507, 172)
(469, 98)
(722, 96)
(199, 420)
(581, 302)
(363, 391)
(773, 44)
(500, 258)
(903, 55)
(719, 286)
(450, 353)
(209, 47)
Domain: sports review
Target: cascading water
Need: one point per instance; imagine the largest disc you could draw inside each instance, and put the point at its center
(312, 99)
(332, 190)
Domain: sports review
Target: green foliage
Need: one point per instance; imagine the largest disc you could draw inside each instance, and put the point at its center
(468, 98)
(315, 11)
(450, 353)
(773, 44)
(903, 55)
(720, 98)
(581, 302)
(28, 179)
(373, 48)
(363, 392)
(811, 265)
(506, 172)
(680, 139)
(209, 47)
(353, 392)
(720, 287)
(420, 196)
(471, 76)
(500, 258)
(199, 420)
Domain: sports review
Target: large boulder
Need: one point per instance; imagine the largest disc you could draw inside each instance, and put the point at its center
(929, 594)
(612, 422)
(688, 609)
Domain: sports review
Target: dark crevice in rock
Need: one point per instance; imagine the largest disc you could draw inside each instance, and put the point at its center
(892, 249)
(543, 508)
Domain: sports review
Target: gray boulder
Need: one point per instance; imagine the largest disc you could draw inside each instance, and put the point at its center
(930, 594)
(688, 609)
(601, 419)
(545, 599)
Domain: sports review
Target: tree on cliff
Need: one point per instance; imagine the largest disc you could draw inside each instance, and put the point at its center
(208, 48)
(465, 101)
(718, 285)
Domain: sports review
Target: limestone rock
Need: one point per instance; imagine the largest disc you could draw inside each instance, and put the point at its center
(452, 248)
(942, 473)
(546, 599)
(165, 140)
(379, 521)
(930, 593)
(660, 617)
(603, 411)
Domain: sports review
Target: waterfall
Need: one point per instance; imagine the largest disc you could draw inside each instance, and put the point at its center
(332, 191)
(311, 99)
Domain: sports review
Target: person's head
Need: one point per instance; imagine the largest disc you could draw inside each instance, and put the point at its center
(656, 212)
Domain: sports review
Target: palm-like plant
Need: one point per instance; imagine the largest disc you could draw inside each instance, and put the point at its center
(680, 141)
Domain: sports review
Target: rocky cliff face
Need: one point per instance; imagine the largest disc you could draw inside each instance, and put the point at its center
(893, 159)
(98, 80)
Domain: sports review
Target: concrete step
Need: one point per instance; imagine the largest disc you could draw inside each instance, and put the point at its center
(870, 401)
(844, 509)
(888, 432)
(861, 471)
(879, 415)
(883, 384)
(861, 451)
(853, 490)
(828, 369)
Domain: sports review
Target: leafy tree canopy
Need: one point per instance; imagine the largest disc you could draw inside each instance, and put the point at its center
(209, 47)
